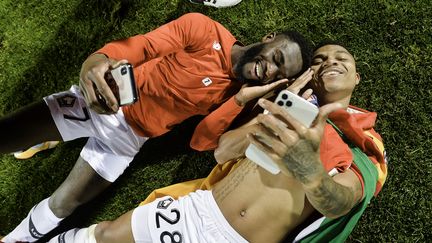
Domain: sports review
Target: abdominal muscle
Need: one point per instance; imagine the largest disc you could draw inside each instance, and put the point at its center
(260, 206)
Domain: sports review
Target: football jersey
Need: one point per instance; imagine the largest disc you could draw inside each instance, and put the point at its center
(182, 68)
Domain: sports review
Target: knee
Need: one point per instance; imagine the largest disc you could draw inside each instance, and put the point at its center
(103, 233)
(118, 230)
(62, 206)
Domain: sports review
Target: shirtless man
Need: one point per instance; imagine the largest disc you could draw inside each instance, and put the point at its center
(251, 204)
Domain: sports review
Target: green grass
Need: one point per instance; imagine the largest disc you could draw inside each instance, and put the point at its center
(43, 43)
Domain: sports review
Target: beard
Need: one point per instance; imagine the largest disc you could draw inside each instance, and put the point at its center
(251, 55)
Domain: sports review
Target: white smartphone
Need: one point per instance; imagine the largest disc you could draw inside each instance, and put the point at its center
(300, 109)
(124, 87)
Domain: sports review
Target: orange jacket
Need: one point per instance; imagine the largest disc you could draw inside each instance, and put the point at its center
(358, 126)
(181, 69)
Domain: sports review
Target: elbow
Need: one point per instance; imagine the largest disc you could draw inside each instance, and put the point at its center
(340, 210)
(335, 215)
(223, 152)
(333, 202)
(218, 154)
(102, 232)
(220, 151)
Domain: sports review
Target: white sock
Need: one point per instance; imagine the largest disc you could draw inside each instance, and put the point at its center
(85, 235)
(38, 222)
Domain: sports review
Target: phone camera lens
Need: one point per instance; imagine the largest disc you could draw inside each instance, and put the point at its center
(284, 96)
(123, 70)
(280, 103)
(288, 103)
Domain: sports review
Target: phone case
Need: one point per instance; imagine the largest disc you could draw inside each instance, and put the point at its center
(300, 109)
(124, 78)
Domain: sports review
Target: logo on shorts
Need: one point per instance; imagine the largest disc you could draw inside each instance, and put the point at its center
(165, 203)
(66, 100)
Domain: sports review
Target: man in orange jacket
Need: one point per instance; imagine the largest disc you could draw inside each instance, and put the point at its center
(331, 169)
(190, 66)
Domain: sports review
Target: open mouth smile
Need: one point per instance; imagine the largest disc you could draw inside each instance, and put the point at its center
(259, 71)
(331, 72)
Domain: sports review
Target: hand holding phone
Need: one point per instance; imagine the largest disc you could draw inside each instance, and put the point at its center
(300, 109)
(122, 83)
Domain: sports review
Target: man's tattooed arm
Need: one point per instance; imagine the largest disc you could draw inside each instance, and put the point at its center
(331, 198)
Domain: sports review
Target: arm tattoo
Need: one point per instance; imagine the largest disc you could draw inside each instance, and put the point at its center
(328, 197)
(302, 162)
(331, 198)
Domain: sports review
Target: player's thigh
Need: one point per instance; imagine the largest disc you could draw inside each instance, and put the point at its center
(119, 230)
(28, 126)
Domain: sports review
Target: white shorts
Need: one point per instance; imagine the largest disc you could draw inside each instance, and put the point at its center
(112, 144)
(195, 218)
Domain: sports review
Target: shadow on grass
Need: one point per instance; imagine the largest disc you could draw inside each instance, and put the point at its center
(86, 30)
(64, 57)
(57, 62)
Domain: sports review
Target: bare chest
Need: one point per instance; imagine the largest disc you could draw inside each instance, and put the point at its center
(251, 197)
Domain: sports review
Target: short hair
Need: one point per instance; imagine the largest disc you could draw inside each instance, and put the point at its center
(305, 48)
(329, 42)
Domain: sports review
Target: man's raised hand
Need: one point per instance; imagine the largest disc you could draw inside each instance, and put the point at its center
(248, 93)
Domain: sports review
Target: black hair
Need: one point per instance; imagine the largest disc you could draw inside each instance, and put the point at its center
(305, 48)
(329, 42)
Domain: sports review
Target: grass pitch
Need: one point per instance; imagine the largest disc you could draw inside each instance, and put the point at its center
(43, 44)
